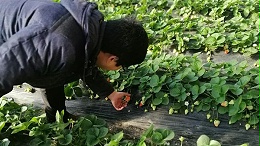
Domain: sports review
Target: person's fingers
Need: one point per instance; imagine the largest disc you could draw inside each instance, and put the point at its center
(127, 94)
(119, 108)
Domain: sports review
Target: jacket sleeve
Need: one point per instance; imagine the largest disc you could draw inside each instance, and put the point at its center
(98, 84)
(18, 58)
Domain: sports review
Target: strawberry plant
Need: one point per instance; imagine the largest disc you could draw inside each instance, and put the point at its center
(88, 130)
(204, 25)
(185, 83)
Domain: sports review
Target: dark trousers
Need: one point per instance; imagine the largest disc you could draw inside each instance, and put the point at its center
(54, 100)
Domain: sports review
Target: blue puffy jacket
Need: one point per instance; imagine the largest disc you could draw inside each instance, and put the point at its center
(49, 44)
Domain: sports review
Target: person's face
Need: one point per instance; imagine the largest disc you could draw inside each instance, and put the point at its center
(107, 61)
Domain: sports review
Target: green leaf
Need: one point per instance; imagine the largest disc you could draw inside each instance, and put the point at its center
(59, 116)
(202, 89)
(78, 91)
(103, 131)
(117, 137)
(157, 137)
(257, 23)
(224, 89)
(23, 109)
(253, 119)
(144, 79)
(92, 140)
(183, 96)
(201, 72)
(246, 11)
(221, 40)
(92, 118)
(157, 89)
(148, 132)
(165, 100)
(243, 80)
(99, 122)
(221, 98)
(222, 110)
(162, 78)
(256, 80)
(210, 40)
(236, 90)
(154, 80)
(214, 143)
(86, 124)
(251, 94)
(216, 90)
(67, 139)
(175, 92)
(157, 101)
(205, 107)
(2, 124)
(203, 140)
(233, 109)
(68, 91)
(168, 135)
(195, 90)
(242, 107)
(93, 132)
(20, 127)
(4, 142)
(176, 106)
(235, 118)
(215, 80)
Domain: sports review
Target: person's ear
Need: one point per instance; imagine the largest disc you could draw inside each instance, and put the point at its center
(112, 58)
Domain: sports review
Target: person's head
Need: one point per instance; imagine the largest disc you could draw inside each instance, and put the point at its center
(124, 43)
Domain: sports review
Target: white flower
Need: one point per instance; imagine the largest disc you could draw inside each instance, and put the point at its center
(186, 103)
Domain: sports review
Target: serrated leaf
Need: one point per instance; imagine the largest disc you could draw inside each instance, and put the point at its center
(216, 90)
(210, 40)
(203, 140)
(92, 132)
(148, 132)
(66, 140)
(257, 80)
(175, 92)
(235, 118)
(99, 122)
(68, 91)
(92, 140)
(154, 80)
(257, 23)
(157, 137)
(2, 124)
(103, 131)
(78, 91)
(253, 120)
(233, 110)
(165, 100)
(222, 110)
(168, 135)
(24, 108)
(117, 137)
(157, 101)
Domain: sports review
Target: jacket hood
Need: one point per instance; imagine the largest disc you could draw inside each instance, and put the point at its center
(92, 22)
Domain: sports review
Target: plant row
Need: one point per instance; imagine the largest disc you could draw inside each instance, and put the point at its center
(185, 83)
(203, 25)
(89, 130)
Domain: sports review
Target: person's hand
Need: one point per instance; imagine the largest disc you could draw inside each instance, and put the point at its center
(117, 99)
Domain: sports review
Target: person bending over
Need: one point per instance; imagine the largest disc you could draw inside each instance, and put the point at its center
(48, 45)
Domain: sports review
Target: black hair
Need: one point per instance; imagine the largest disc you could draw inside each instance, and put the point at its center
(126, 39)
